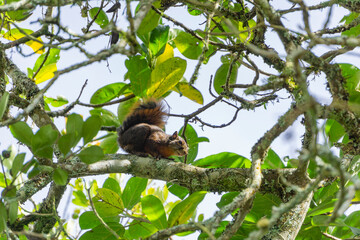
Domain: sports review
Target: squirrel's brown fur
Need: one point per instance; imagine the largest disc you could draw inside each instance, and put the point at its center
(142, 134)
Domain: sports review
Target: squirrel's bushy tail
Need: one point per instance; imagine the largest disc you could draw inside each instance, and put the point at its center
(151, 112)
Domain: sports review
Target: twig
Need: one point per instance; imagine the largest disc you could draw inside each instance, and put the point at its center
(195, 74)
(42, 64)
(131, 23)
(98, 216)
(94, 18)
(196, 118)
(330, 236)
(315, 7)
(229, 73)
(64, 111)
(107, 103)
(168, 232)
(205, 230)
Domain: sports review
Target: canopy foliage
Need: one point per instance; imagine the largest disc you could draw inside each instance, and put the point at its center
(60, 140)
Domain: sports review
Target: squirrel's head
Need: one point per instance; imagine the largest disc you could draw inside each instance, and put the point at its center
(178, 144)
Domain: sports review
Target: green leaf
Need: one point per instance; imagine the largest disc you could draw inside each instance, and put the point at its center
(80, 199)
(34, 172)
(262, 206)
(60, 177)
(185, 209)
(326, 193)
(74, 125)
(101, 233)
(22, 132)
(112, 184)
(322, 208)
(15, 34)
(3, 103)
(18, 15)
(223, 160)
(2, 181)
(193, 11)
(352, 75)
(189, 91)
(165, 76)
(101, 18)
(193, 142)
(124, 108)
(221, 228)
(334, 130)
(353, 219)
(107, 117)
(177, 190)
(13, 211)
(47, 72)
(154, 210)
(355, 231)
(28, 165)
(90, 128)
(141, 230)
(226, 199)
(139, 74)
(108, 203)
(221, 74)
(150, 21)
(52, 57)
(132, 191)
(43, 140)
(56, 102)
(188, 45)
(107, 93)
(272, 161)
(17, 164)
(309, 233)
(3, 216)
(110, 144)
(323, 220)
(158, 39)
(354, 31)
(244, 35)
(91, 154)
(349, 18)
(65, 143)
(88, 220)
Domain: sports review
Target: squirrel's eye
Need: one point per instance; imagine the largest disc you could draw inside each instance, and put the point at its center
(179, 142)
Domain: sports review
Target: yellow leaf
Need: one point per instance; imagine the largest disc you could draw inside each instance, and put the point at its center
(15, 34)
(165, 76)
(45, 73)
(190, 92)
(151, 191)
(244, 35)
(168, 53)
(357, 196)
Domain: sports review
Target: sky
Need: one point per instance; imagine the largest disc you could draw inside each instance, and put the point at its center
(238, 138)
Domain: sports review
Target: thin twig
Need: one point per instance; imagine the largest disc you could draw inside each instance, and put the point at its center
(107, 103)
(98, 216)
(68, 108)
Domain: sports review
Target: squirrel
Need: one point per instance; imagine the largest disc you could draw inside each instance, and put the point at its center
(141, 133)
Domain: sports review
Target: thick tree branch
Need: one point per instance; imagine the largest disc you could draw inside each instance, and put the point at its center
(191, 177)
(29, 4)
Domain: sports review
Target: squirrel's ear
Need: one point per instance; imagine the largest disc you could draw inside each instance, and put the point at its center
(174, 135)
